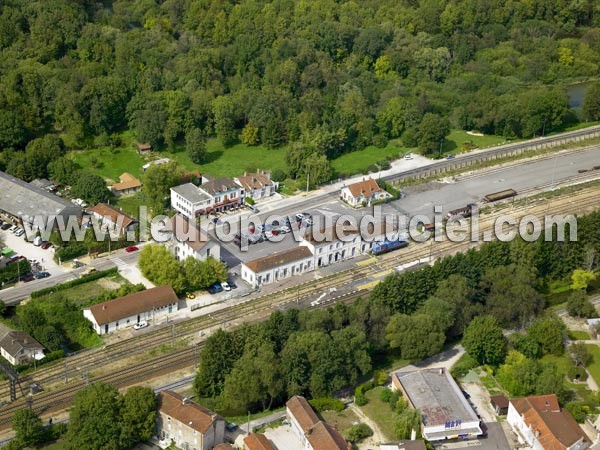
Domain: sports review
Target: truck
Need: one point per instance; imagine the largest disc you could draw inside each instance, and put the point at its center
(501, 195)
(379, 248)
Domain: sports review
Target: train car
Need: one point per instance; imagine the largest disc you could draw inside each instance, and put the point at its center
(379, 248)
(507, 193)
(465, 211)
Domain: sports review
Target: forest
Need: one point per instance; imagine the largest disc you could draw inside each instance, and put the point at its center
(320, 77)
(471, 296)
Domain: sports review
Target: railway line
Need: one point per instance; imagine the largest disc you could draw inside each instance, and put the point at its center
(58, 396)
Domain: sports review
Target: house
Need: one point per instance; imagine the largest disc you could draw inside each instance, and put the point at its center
(189, 200)
(500, 404)
(313, 432)
(189, 240)
(224, 446)
(188, 424)
(226, 193)
(143, 149)
(113, 219)
(541, 423)
(257, 185)
(277, 266)
(21, 202)
(17, 347)
(128, 184)
(404, 445)
(363, 193)
(255, 441)
(127, 311)
(445, 411)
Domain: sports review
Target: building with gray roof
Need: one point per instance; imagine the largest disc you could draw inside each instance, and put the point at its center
(23, 201)
(445, 412)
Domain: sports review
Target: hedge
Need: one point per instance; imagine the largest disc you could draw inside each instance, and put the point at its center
(69, 284)
(327, 404)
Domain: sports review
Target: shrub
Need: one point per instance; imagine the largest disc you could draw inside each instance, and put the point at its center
(464, 364)
(383, 164)
(327, 404)
(359, 432)
(380, 141)
(278, 175)
(578, 410)
(373, 168)
(360, 399)
(380, 377)
(577, 373)
(249, 200)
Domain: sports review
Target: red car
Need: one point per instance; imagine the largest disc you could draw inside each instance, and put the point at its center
(46, 245)
(131, 248)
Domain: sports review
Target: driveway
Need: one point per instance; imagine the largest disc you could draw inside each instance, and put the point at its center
(284, 438)
(30, 251)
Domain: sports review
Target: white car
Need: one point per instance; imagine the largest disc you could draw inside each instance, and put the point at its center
(13, 228)
(285, 229)
(408, 156)
(20, 232)
(141, 324)
(269, 235)
(225, 286)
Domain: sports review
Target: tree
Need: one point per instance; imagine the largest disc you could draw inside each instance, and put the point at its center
(416, 336)
(138, 414)
(431, 133)
(202, 274)
(159, 265)
(581, 279)
(580, 354)
(95, 419)
(63, 170)
(42, 151)
(196, 145)
(158, 180)
(484, 341)
(91, 188)
(591, 102)
(225, 119)
(12, 132)
(578, 305)
(250, 135)
(357, 433)
(549, 333)
(28, 427)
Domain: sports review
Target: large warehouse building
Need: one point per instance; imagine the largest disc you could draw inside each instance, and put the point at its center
(445, 411)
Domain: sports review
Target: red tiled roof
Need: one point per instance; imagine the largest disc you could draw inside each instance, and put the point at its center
(257, 441)
(302, 412)
(254, 181)
(556, 428)
(127, 181)
(278, 259)
(113, 214)
(323, 436)
(365, 187)
(499, 400)
(187, 412)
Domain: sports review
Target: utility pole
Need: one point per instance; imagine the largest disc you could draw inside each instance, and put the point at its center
(307, 180)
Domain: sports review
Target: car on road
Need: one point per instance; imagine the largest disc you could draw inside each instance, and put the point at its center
(215, 288)
(131, 248)
(225, 286)
(450, 156)
(45, 245)
(141, 324)
(5, 227)
(408, 156)
(40, 275)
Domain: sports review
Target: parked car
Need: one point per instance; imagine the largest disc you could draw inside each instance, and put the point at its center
(20, 232)
(5, 227)
(215, 288)
(141, 324)
(285, 229)
(232, 284)
(449, 156)
(308, 222)
(131, 248)
(37, 241)
(225, 286)
(408, 156)
(299, 216)
(269, 234)
(45, 245)
(40, 275)
(27, 278)
(190, 295)
(13, 228)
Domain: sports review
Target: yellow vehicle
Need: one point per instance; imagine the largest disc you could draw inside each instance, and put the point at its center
(190, 295)
(87, 271)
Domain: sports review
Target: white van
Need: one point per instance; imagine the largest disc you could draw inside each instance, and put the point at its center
(37, 241)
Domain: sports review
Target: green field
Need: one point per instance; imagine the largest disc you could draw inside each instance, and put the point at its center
(594, 366)
(578, 335)
(235, 160)
(381, 413)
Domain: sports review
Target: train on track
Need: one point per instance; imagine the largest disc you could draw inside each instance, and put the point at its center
(379, 248)
(501, 195)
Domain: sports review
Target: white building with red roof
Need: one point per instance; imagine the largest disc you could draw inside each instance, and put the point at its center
(363, 193)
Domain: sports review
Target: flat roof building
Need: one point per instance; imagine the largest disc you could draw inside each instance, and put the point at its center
(277, 266)
(445, 412)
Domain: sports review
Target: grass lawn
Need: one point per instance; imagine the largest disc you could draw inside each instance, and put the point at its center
(578, 335)
(381, 413)
(81, 293)
(594, 366)
(358, 161)
(109, 164)
(342, 421)
(457, 137)
(564, 363)
(131, 204)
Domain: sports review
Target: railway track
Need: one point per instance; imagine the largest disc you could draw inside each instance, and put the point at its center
(254, 310)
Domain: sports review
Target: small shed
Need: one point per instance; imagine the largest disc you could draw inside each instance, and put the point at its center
(143, 148)
(500, 404)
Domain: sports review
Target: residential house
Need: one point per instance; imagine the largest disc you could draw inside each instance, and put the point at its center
(128, 184)
(500, 404)
(126, 311)
(21, 202)
(313, 432)
(542, 424)
(211, 196)
(115, 221)
(363, 193)
(445, 410)
(226, 193)
(189, 240)
(17, 347)
(190, 200)
(275, 267)
(257, 185)
(255, 441)
(189, 425)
